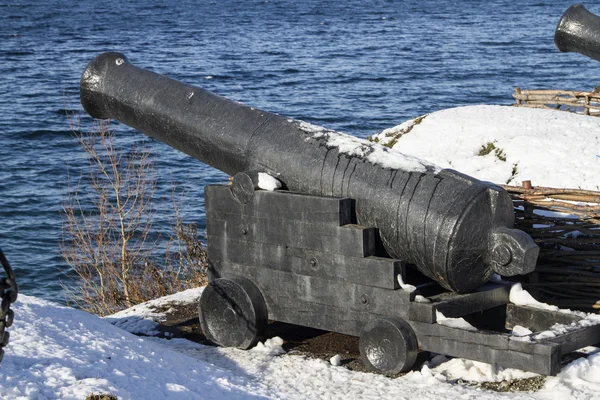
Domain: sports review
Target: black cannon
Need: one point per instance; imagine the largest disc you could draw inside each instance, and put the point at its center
(362, 241)
(578, 30)
(455, 229)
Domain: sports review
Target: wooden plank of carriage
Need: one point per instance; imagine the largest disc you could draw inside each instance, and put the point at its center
(565, 223)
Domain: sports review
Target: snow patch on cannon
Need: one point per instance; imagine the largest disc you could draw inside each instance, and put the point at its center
(362, 148)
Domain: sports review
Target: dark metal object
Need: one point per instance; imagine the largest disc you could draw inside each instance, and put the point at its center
(579, 31)
(9, 290)
(388, 344)
(313, 267)
(455, 229)
(232, 312)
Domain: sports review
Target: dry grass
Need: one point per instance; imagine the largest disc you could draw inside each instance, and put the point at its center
(108, 238)
(99, 396)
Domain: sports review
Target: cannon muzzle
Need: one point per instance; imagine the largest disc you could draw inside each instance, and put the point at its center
(579, 31)
(456, 229)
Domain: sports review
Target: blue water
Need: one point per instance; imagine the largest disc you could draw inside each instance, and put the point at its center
(354, 66)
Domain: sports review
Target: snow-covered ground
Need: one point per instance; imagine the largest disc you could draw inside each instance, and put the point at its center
(550, 148)
(58, 352)
(62, 353)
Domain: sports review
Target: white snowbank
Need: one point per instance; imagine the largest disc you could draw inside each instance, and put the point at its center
(550, 148)
(459, 368)
(143, 319)
(58, 352)
(156, 309)
(580, 376)
(61, 353)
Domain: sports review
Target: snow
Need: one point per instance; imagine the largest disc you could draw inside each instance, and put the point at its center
(405, 286)
(459, 323)
(580, 375)
(521, 297)
(519, 330)
(421, 299)
(550, 148)
(58, 352)
(267, 182)
(411, 288)
(372, 152)
(143, 319)
(336, 360)
(155, 309)
(560, 329)
(270, 347)
(475, 371)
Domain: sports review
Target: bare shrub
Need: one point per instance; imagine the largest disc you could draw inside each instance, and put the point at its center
(108, 239)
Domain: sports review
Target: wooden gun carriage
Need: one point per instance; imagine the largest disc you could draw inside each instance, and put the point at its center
(303, 260)
(328, 251)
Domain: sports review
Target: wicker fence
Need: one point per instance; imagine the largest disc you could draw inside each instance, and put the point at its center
(587, 103)
(565, 223)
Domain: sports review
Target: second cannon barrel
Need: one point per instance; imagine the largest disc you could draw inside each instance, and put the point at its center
(578, 30)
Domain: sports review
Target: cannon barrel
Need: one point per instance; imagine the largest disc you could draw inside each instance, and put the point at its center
(457, 230)
(579, 31)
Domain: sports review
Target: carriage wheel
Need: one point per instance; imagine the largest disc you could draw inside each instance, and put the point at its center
(388, 345)
(232, 312)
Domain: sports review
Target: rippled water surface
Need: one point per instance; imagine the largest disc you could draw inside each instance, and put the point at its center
(354, 66)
